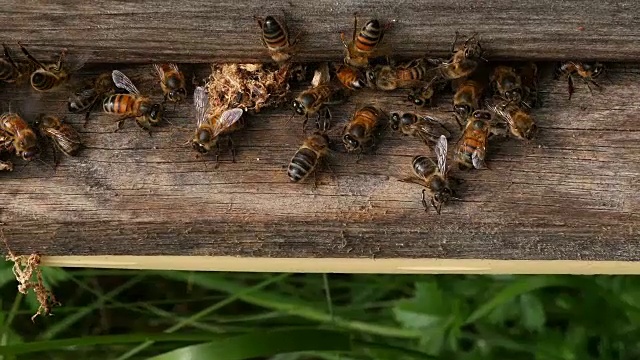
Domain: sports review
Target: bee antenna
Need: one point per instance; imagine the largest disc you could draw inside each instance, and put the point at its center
(44, 162)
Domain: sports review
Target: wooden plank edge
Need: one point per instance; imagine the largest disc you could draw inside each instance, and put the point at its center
(339, 265)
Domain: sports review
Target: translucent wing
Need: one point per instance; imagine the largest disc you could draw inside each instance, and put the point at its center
(159, 70)
(123, 82)
(227, 119)
(321, 76)
(441, 154)
(433, 127)
(201, 104)
(65, 140)
(75, 63)
(500, 109)
(477, 161)
(173, 66)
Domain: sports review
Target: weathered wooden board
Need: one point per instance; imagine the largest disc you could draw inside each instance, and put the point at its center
(205, 31)
(570, 194)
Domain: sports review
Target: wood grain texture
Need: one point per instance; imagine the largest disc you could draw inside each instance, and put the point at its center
(205, 31)
(570, 194)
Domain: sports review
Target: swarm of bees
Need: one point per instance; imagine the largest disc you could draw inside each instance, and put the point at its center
(489, 101)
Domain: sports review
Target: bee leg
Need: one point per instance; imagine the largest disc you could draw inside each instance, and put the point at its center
(8, 56)
(258, 19)
(120, 123)
(455, 40)
(217, 155)
(60, 58)
(56, 159)
(570, 86)
(424, 200)
(315, 180)
(144, 127)
(355, 26)
(89, 110)
(304, 124)
(233, 149)
(326, 121)
(30, 57)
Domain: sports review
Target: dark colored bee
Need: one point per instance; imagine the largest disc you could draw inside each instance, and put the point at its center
(308, 156)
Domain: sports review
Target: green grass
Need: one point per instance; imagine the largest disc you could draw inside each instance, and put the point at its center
(168, 315)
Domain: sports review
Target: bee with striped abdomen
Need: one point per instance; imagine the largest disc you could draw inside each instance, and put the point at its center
(315, 99)
(61, 134)
(389, 77)
(17, 136)
(472, 146)
(506, 82)
(467, 99)
(275, 37)
(364, 43)
(12, 71)
(210, 127)
(434, 177)
(426, 95)
(132, 104)
(305, 161)
(463, 62)
(425, 128)
(47, 77)
(172, 82)
(521, 124)
(350, 77)
(85, 99)
(586, 71)
(359, 132)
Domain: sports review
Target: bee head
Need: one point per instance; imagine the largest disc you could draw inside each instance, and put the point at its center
(202, 141)
(177, 95)
(27, 147)
(441, 197)
(598, 68)
(302, 103)
(46, 122)
(514, 94)
(530, 132)
(394, 121)
(408, 119)
(462, 110)
(155, 114)
(350, 143)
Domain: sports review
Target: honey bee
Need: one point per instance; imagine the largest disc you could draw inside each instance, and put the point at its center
(12, 71)
(6, 165)
(358, 133)
(47, 77)
(172, 82)
(275, 37)
(85, 99)
(350, 77)
(363, 44)
(434, 177)
(586, 71)
(425, 128)
(462, 63)
(315, 99)
(466, 99)
(507, 83)
(389, 77)
(211, 127)
(471, 148)
(521, 124)
(131, 105)
(308, 156)
(62, 135)
(16, 135)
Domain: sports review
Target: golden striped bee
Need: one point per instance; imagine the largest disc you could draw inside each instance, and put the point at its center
(12, 71)
(359, 132)
(17, 136)
(434, 177)
(210, 127)
(315, 99)
(521, 124)
(463, 62)
(85, 99)
(305, 161)
(47, 77)
(61, 134)
(425, 128)
(472, 146)
(275, 36)
(389, 77)
(131, 105)
(171, 81)
(364, 43)
(585, 70)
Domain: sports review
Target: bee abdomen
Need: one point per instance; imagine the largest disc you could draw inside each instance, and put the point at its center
(7, 71)
(302, 164)
(369, 37)
(274, 34)
(118, 104)
(422, 166)
(43, 81)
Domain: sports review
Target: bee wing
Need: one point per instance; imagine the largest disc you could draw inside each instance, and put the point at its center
(77, 62)
(477, 161)
(433, 127)
(441, 154)
(227, 119)
(321, 76)
(64, 139)
(201, 104)
(500, 109)
(123, 82)
(159, 70)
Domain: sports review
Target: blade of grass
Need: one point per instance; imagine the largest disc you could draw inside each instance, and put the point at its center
(206, 311)
(85, 341)
(177, 319)
(283, 304)
(263, 344)
(68, 321)
(6, 325)
(327, 293)
(518, 287)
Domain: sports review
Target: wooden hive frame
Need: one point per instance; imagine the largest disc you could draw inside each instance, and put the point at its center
(567, 202)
